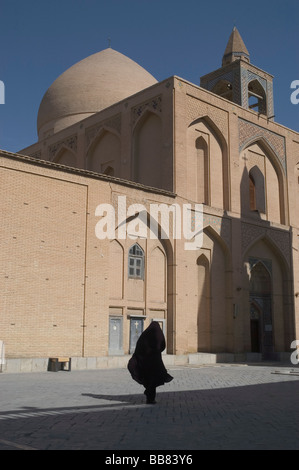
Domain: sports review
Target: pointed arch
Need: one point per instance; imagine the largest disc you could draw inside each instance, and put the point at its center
(147, 150)
(265, 145)
(209, 230)
(202, 171)
(220, 293)
(257, 199)
(65, 156)
(157, 270)
(272, 246)
(203, 308)
(260, 279)
(167, 246)
(279, 171)
(276, 300)
(257, 97)
(104, 151)
(98, 135)
(223, 164)
(143, 117)
(116, 270)
(136, 262)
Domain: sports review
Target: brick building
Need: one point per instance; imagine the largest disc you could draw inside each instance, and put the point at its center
(109, 133)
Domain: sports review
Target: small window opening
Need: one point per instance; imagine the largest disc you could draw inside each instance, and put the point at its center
(136, 262)
(109, 171)
(224, 89)
(252, 194)
(256, 97)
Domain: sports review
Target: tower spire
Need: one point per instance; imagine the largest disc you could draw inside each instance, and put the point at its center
(235, 49)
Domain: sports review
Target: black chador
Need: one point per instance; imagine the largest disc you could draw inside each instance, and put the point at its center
(146, 366)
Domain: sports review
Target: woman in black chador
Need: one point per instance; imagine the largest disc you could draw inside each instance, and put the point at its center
(146, 365)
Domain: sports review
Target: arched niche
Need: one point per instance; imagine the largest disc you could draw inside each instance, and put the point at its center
(104, 154)
(66, 157)
(204, 306)
(116, 270)
(214, 182)
(270, 181)
(257, 97)
(147, 151)
(267, 283)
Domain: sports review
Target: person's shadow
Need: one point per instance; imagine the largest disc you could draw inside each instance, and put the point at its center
(128, 399)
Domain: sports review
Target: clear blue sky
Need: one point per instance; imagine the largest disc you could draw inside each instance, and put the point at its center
(40, 39)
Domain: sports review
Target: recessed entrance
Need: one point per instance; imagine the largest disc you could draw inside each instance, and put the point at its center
(261, 311)
(255, 328)
(136, 328)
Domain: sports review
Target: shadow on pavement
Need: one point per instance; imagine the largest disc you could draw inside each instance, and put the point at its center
(260, 416)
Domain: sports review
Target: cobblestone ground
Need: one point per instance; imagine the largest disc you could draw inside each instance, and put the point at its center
(214, 407)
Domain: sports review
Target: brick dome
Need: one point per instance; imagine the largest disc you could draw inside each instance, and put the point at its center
(89, 86)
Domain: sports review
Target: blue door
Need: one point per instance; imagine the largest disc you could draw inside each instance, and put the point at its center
(136, 328)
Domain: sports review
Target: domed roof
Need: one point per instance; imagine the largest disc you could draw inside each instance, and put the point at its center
(89, 86)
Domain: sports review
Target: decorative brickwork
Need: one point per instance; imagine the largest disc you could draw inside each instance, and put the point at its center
(70, 142)
(197, 109)
(154, 104)
(221, 226)
(113, 123)
(249, 132)
(281, 239)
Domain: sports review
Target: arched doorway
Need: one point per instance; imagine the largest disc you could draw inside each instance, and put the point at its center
(261, 325)
(255, 327)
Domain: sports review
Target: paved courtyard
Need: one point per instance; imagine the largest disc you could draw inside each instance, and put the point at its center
(207, 407)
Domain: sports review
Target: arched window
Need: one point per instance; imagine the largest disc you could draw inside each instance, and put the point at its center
(257, 97)
(252, 193)
(148, 151)
(260, 280)
(257, 190)
(136, 262)
(202, 171)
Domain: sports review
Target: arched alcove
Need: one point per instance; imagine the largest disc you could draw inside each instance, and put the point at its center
(66, 157)
(257, 97)
(269, 181)
(157, 285)
(257, 199)
(116, 270)
(202, 171)
(203, 313)
(267, 285)
(216, 266)
(215, 178)
(147, 151)
(104, 153)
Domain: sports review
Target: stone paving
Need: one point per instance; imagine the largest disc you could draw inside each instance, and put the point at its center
(204, 407)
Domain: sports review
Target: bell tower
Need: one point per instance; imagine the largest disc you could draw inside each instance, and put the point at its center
(239, 81)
